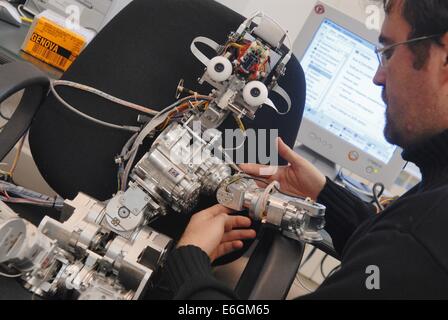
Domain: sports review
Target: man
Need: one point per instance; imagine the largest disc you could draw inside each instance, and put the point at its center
(407, 244)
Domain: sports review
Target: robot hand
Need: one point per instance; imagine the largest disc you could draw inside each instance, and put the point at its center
(298, 218)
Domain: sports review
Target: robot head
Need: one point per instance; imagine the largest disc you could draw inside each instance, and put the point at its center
(247, 66)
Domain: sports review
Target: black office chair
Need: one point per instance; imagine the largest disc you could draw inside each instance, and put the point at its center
(140, 56)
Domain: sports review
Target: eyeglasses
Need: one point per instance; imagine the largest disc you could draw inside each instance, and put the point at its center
(385, 53)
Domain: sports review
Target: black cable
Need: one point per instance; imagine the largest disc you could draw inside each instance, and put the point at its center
(322, 266)
(246, 176)
(333, 271)
(309, 256)
(377, 195)
(2, 115)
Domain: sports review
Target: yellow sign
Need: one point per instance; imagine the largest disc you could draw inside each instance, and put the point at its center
(53, 44)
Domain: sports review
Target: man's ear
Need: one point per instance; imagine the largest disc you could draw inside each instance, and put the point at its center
(445, 47)
(444, 66)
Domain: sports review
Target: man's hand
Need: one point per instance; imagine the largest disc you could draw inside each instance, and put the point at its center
(300, 177)
(214, 231)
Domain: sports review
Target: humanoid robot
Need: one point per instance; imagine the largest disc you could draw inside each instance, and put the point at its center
(108, 250)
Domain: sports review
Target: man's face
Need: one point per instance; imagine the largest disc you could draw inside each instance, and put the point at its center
(414, 111)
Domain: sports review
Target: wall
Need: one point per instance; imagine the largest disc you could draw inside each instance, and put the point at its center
(292, 13)
(117, 6)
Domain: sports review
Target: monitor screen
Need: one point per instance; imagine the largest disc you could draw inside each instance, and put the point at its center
(341, 98)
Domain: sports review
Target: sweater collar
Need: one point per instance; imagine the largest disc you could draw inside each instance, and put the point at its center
(431, 156)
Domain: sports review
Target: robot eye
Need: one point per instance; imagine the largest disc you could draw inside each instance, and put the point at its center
(219, 69)
(255, 93)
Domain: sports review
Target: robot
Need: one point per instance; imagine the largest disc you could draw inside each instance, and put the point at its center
(108, 250)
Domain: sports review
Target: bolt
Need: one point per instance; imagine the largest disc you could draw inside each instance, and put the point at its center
(123, 212)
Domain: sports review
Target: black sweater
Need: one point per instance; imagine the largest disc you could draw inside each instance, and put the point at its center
(408, 241)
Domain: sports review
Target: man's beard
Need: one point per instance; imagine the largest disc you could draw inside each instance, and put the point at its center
(390, 133)
(388, 130)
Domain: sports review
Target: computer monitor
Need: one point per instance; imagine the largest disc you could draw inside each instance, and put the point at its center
(344, 114)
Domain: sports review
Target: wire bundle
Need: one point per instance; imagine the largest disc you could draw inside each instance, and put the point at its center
(12, 193)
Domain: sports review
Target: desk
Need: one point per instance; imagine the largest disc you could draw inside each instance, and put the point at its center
(11, 39)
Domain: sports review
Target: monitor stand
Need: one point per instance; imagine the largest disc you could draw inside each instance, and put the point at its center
(327, 167)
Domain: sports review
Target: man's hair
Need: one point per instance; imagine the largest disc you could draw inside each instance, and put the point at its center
(426, 18)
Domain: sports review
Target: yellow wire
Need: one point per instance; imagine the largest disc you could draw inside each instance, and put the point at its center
(236, 45)
(17, 157)
(26, 19)
(179, 109)
(240, 123)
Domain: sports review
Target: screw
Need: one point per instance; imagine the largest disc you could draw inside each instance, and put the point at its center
(123, 212)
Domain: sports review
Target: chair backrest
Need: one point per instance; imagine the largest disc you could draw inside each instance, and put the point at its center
(139, 56)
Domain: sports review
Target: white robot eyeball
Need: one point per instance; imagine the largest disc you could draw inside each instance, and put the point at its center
(219, 69)
(255, 93)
